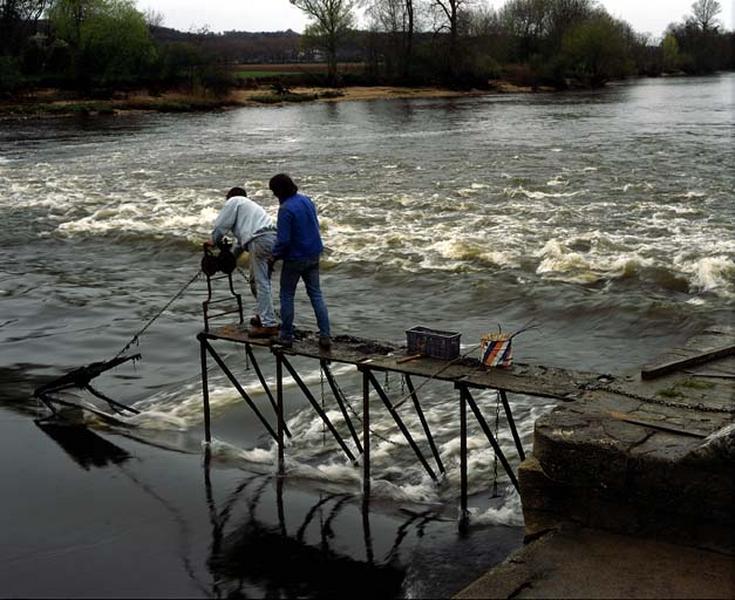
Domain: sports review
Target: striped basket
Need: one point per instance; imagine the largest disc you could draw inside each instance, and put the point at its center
(497, 350)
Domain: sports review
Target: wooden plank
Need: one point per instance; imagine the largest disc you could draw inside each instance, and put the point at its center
(654, 371)
(521, 378)
(654, 425)
(408, 358)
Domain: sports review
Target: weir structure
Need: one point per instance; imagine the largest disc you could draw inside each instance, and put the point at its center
(605, 457)
(371, 358)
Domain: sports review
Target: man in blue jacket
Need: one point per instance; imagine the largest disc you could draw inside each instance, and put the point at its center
(299, 245)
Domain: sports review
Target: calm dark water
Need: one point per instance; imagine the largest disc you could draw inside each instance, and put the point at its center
(607, 217)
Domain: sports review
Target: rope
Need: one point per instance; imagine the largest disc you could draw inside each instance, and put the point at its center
(136, 338)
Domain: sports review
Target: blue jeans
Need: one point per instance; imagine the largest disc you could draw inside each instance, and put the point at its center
(260, 249)
(308, 270)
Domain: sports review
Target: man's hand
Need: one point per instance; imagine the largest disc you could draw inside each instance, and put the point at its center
(208, 244)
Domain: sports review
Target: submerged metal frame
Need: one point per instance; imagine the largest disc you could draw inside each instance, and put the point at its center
(399, 422)
(361, 442)
(206, 348)
(310, 397)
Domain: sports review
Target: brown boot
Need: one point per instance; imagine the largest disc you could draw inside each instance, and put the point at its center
(262, 332)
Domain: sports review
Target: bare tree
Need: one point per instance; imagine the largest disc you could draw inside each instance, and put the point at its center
(527, 21)
(331, 20)
(397, 19)
(153, 18)
(705, 14)
(451, 11)
(15, 18)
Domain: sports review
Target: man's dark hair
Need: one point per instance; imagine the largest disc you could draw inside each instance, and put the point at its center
(282, 186)
(236, 191)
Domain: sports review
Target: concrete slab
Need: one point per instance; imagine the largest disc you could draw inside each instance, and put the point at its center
(587, 563)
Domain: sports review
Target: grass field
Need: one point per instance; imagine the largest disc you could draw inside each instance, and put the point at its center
(263, 74)
(246, 71)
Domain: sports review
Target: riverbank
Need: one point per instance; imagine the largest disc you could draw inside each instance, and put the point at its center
(51, 102)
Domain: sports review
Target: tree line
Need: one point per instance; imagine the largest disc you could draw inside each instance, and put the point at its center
(100, 45)
(554, 42)
(97, 45)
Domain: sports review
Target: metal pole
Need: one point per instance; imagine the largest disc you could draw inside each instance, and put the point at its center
(205, 387)
(317, 408)
(279, 412)
(402, 426)
(464, 515)
(512, 424)
(367, 536)
(341, 403)
(263, 383)
(365, 435)
(116, 406)
(491, 438)
(213, 517)
(280, 506)
(424, 424)
(239, 388)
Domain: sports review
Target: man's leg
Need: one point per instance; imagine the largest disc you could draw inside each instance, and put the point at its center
(311, 279)
(290, 274)
(260, 249)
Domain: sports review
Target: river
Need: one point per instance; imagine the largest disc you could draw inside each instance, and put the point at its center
(607, 217)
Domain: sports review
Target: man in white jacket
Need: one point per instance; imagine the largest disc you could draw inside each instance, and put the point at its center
(255, 233)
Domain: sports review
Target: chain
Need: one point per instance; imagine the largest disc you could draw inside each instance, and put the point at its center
(495, 454)
(660, 401)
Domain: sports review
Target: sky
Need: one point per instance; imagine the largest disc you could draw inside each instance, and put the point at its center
(646, 16)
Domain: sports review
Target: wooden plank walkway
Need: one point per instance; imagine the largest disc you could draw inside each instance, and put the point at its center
(547, 382)
(609, 437)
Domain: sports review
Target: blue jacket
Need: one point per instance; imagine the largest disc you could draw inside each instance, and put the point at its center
(298, 230)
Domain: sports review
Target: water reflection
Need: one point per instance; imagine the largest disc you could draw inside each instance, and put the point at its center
(281, 557)
(84, 447)
(253, 534)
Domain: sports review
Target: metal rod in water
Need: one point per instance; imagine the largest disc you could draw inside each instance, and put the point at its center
(341, 403)
(424, 424)
(205, 388)
(279, 412)
(365, 435)
(512, 424)
(491, 437)
(401, 426)
(239, 388)
(263, 383)
(464, 515)
(317, 408)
